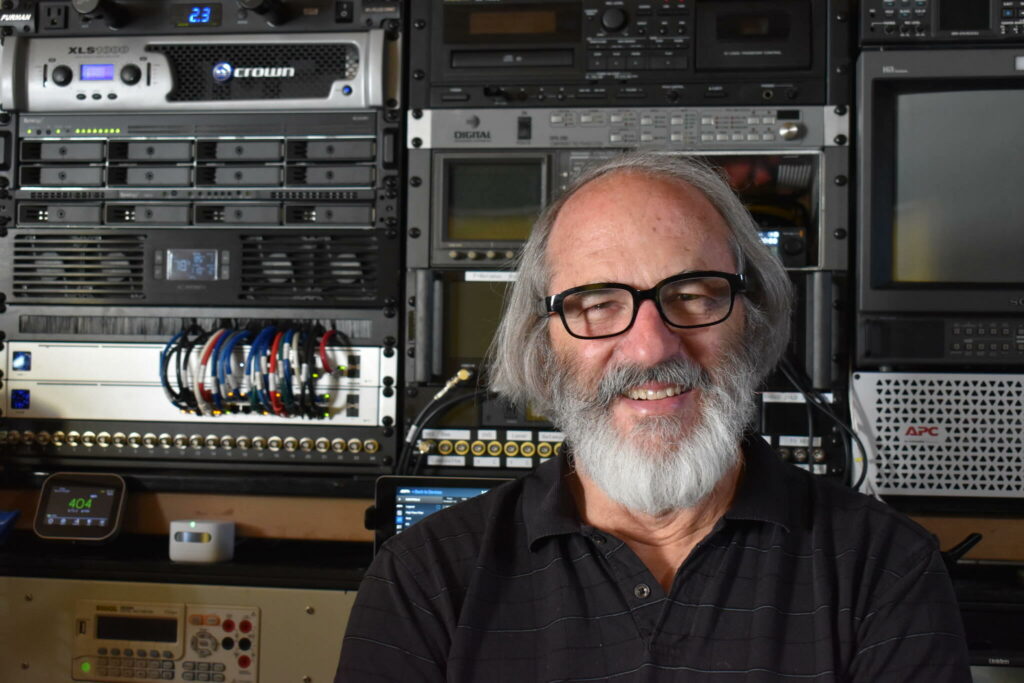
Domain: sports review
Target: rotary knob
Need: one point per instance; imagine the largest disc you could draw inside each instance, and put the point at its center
(116, 16)
(130, 74)
(271, 10)
(61, 75)
(791, 130)
(614, 19)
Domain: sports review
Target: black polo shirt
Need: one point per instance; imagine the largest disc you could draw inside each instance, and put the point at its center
(802, 580)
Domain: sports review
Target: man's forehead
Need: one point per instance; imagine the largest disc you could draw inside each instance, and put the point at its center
(635, 216)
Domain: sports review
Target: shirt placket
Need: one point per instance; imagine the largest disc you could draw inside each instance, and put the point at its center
(640, 591)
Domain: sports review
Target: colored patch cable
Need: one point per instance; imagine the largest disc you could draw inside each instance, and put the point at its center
(279, 370)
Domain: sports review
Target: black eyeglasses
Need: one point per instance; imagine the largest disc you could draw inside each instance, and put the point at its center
(605, 309)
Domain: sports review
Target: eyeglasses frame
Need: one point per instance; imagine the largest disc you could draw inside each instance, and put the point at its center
(737, 285)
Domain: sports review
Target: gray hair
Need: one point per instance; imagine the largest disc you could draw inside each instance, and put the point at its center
(520, 355)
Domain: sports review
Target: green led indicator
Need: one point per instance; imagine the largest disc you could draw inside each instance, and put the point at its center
(29, 131)
(192, 524)
(58, 131)
(86, 667)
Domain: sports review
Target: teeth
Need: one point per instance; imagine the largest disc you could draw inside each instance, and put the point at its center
(654, 394)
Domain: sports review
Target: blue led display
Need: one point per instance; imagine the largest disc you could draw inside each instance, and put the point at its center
(97, 72)
(21, 399)
(21, 360)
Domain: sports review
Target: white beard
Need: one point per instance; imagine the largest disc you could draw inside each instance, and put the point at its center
(663, 464)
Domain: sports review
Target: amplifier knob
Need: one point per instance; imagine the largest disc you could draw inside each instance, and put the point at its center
(491, 254)
(116, 16)
(271, 10)
(130, 74)
(472, 255)
(61, 75)
(791, 130)
(614, 19)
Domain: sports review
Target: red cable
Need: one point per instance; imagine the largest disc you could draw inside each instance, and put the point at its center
(275, 396)
(203, 392)
(323, 350)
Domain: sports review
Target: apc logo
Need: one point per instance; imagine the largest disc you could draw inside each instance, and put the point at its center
(922, 432)
(222, 72)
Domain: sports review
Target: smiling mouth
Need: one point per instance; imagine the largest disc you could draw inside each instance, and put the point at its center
(655, 394)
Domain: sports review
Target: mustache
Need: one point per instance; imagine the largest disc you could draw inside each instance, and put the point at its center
(673, 371)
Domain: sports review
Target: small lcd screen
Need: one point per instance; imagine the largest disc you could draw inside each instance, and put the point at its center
(958, 212)
(472, 312)
(963, 15)
(97, 72)
(523, 22)
(204, 14)
(493, 201)
(735, 27)
(80, 505)
(413, 504)
(550, 22)
(192, 264)
(137, 629)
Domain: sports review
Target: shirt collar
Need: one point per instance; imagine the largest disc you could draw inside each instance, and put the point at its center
(769, 491)
(548, 505)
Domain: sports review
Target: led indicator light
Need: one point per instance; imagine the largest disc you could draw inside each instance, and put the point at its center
(86, 667)
(192, 525)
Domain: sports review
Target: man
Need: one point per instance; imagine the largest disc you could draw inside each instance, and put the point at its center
(665, 546)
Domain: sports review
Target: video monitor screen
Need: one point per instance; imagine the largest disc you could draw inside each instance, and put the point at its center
(493, 200)
(472, 312)
(958, 213)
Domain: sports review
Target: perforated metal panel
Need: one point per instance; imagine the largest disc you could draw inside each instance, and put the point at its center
(315, 66)
(954, 434)
(88, 267)
(333, 268)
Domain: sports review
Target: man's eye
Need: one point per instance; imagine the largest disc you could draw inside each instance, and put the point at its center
(601, 307)
(686, 299)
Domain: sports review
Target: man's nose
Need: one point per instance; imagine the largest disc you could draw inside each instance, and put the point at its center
(650, 340)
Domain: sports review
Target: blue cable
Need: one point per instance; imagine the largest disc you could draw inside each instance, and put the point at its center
(224, 365)
(164, 381)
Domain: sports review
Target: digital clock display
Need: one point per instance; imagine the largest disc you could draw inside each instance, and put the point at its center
(192, 264)
(191, 14)
(80, 506)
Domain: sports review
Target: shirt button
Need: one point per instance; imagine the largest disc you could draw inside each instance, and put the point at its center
(597, 538)
(642, 591)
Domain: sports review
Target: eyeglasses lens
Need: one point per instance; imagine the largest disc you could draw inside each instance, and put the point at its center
(685, 303)
(598, 312)
(701, 301)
